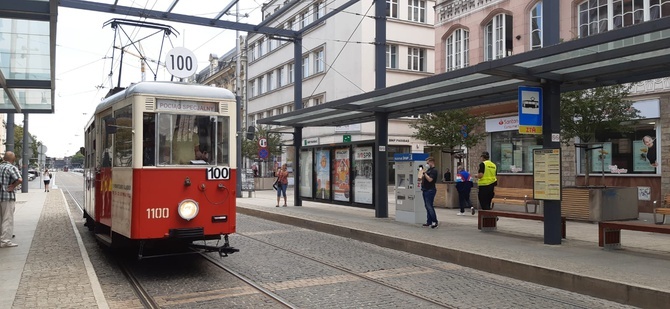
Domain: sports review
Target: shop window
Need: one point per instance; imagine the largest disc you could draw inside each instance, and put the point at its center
(635, 152)
(513, 152)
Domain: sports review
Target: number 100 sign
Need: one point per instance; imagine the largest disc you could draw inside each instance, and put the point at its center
(181, 62)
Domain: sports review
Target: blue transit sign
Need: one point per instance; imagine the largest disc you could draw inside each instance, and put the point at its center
(530, 110)
(263, 153)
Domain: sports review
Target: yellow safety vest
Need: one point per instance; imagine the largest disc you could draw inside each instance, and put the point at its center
(489, 176)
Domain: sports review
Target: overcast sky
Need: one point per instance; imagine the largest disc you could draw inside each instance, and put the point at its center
(83, 61)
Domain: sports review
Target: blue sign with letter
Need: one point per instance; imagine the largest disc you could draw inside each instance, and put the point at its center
(530, 110)
(400, 157)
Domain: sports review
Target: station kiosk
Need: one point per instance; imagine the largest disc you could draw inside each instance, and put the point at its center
(409, 206)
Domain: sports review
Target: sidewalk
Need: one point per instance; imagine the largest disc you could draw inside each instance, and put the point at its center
(48, 268)
(636, 275)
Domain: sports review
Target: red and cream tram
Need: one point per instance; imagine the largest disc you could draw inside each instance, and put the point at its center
(160, 166)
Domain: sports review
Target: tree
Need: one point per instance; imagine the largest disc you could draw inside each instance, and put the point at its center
(18, 144)
(250, 148)
(449, 129)
(587, 112)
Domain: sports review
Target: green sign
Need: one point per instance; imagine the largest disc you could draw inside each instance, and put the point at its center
(346, 138)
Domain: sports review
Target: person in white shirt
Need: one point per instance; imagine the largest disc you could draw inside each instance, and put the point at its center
(47, 179)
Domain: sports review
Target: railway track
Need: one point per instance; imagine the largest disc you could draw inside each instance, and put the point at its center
(414, 294)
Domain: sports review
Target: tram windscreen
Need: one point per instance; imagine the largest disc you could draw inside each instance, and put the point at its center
(190, 139)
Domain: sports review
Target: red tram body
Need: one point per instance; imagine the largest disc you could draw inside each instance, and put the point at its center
(160, 166)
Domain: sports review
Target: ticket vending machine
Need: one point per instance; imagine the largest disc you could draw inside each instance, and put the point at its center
(409, 206)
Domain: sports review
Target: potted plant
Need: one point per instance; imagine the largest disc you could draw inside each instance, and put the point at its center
(583, 113)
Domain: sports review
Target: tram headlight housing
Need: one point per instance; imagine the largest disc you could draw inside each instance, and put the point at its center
(188, 209)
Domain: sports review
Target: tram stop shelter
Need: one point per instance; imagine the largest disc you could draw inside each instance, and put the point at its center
(625, 55)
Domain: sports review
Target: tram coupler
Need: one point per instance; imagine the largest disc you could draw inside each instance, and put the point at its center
(222, 250)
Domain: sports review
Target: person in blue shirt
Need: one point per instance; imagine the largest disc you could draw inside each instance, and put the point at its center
(463, 186)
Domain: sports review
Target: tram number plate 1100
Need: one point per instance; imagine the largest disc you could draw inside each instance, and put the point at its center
(217, 173)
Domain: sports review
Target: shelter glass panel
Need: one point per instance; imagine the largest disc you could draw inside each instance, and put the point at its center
(307, 172)
(513, 152)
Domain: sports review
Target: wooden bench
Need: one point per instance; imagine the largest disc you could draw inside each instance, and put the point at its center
(515, 196)
(609, 232)
(488, 219)
(663, 209)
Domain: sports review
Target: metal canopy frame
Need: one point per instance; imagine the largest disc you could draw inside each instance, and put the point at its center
(28, 87)
(630, 54)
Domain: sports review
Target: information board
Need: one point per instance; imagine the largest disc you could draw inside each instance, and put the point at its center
(248, 180)
(547, 174)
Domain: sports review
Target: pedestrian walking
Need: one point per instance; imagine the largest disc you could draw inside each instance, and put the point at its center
(282, 183)
(10, 178)
(487, 176)
(47, 179)
(428, 179)
(464, 186)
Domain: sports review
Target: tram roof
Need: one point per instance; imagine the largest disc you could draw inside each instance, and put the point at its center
(172, 89)
(630, 54)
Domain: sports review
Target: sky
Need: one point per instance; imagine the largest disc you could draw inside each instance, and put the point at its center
(83, 61)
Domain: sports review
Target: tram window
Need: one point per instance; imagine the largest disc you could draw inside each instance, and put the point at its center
(105, 154)
(223, 129)
(185, 139)
(149, 139)
(123, 138)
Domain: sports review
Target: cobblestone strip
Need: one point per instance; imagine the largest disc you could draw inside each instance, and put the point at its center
(54, 275)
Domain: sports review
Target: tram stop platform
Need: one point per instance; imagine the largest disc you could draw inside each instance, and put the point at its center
(636, 275)
(50, 267)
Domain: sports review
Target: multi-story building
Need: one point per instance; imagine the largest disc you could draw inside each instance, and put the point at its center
(338, 61)
(468, 32)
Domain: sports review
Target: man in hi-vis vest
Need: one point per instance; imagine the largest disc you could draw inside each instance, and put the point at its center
(487, 181)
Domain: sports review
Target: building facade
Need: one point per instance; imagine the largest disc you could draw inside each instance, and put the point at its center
(468, 32)
(337, 62)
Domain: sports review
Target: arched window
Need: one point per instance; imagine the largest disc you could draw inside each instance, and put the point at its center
(536, 26)
(498, 37)
(457, 50)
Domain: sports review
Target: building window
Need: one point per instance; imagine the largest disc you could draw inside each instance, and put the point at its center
(271, 44)
(260, 47)
(513, 152)
(304, 19)
(599, 16)
(252, 89)
(252, 48)
(289, 73)
(270, 80)
(317, 101)
(318, 61)
(536, 26)
(416, 59)
(260, 85)
(289, 108)
(391, 56)
(457, 50)
(280, 77)
(305, 67)
(417, 11)
(634, 152)
(289, 24)
(498, 37)
(318, 10)
(392, 8)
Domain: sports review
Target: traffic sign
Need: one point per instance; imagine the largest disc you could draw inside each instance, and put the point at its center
(181, 62)
(263, 142)
(346, 138)
(530, 110)
(263, 153)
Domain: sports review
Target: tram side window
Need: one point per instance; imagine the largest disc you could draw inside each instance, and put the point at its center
(185, 139)
(223, 130)
(106, 153)
(123, 138)
(149, 139)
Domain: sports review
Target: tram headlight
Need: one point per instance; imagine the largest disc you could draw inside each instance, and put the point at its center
(188, 209)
